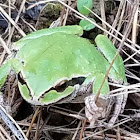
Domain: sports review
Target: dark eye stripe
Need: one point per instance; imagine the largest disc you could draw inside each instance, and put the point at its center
(62, 87)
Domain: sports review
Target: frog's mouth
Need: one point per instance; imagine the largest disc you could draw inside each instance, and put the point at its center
(62, 85)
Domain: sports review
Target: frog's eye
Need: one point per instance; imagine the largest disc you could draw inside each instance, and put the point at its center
(61, 86)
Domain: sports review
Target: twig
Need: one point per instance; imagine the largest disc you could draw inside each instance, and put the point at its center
(82, 130)
(118, 133)
(67, 114)
(99, 132)
(38, 123)
(33, 119)
(74, 136)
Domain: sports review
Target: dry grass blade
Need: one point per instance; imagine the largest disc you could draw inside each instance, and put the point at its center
(3, 134)
(16, 20)
(99, 132)
(121, 7)
(103, 13)
(4, 45)
(134, 29)
(82, 130)
(12, 21)
(76, 132)
(33, 119)
(63, 112)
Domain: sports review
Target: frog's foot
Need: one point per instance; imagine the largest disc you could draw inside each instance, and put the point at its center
(120, 102)
(99, 110)
(94, 111)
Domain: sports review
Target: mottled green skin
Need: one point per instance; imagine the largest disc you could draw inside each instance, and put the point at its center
(44, 60)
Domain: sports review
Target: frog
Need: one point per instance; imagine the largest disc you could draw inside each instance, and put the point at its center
(57, 65)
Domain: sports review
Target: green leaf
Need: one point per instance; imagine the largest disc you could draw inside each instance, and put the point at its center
(82, 3)
(86, 25)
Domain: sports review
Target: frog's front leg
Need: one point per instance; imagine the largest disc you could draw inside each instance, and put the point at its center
(96, 109)
(5, 69)
(100, 109)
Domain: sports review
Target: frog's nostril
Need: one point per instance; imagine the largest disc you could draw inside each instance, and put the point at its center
(22, 62)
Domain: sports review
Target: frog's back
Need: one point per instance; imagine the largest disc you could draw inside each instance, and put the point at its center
(60, 56)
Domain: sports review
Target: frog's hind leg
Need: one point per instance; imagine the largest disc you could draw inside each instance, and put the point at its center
(125, 96)
(120, 102)
(117, 110)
